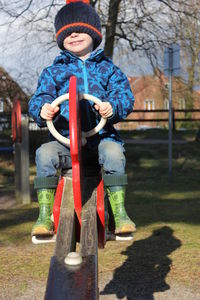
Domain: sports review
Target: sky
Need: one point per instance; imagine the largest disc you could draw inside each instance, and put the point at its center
(25, 52)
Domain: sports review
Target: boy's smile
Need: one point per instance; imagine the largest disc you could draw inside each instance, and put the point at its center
(76, 43)
(80, 44)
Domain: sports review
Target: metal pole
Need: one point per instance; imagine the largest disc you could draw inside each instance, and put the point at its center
(17, 159)
(25, 184)
(170, 116)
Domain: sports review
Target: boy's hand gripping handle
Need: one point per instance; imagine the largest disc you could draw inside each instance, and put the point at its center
(86, 134)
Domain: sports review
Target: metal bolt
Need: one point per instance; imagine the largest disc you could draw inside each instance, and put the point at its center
(73, 259)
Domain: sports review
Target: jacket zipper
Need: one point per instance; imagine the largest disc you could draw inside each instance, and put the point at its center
(85, 78)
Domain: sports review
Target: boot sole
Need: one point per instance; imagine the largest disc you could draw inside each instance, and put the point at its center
(43, 239)
(125, 229)
(41, 231)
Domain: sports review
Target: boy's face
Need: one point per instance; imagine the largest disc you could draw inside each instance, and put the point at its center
(80, 44)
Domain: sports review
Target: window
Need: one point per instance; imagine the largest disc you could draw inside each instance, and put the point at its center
(166, 104)
(181, 104)
(166, 86)
(149, 105)
(1, 105)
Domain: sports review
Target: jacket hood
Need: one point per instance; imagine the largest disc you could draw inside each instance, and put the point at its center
(66, 56)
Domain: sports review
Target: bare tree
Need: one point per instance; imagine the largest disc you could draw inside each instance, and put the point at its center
(129, 25)
(188, 36)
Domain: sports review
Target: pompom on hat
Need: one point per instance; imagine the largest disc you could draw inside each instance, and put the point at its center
(77, 16)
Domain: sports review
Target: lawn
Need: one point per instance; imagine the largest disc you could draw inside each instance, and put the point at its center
(166, 245)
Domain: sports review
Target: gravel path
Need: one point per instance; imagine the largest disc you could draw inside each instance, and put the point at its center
(111, 289)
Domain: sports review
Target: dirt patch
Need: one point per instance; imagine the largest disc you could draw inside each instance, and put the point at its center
(7, 201)
(135, 291)
(111, 289)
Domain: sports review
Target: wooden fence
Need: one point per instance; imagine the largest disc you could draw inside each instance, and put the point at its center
(138, 116)
(160, 116)
(133, 118)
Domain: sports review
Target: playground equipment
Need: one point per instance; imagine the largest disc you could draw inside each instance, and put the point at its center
(78, 215)
(20, 135)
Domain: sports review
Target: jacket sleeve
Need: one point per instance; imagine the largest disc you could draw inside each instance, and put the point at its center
(120, 95)
(45, 93)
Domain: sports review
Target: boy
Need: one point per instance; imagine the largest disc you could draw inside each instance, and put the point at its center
(78, 34)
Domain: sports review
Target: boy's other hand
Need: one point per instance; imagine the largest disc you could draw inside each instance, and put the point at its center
(105, 109)
(48, 112)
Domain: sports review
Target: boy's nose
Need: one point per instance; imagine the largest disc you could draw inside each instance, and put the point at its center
(74, 34)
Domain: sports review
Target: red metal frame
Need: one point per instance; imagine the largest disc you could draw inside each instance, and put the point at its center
(101, 213)
(75, 150)
(57, 203)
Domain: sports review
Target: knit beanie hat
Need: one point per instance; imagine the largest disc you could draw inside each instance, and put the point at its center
(77, 16)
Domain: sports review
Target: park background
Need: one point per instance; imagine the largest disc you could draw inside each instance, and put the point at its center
(162, 262)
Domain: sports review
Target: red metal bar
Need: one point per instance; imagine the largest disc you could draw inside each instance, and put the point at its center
(101, 213)
(57, 203)
(75, 145)
(16, 122)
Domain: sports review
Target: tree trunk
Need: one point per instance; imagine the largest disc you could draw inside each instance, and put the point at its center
(111, 27)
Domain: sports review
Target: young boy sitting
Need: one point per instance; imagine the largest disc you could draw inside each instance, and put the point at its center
(78, 34)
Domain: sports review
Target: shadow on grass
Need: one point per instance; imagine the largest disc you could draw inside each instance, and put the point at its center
(146, 267)
(12, 217)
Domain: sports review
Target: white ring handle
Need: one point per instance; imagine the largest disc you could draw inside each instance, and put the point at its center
(85, 134)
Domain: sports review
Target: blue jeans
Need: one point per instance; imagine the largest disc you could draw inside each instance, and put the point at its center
(110, 155)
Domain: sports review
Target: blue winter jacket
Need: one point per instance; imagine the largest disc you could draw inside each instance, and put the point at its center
(97, 76)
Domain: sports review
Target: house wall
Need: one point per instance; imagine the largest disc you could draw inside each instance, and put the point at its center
(154, 90)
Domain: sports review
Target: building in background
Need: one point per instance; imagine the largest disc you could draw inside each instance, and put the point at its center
(9, 89)
(151, 94)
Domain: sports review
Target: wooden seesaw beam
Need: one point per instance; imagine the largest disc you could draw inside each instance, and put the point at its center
(75, 282)
(80, 220)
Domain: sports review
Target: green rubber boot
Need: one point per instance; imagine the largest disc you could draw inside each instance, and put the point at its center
(123, 223)
(45, 192)
(115, 186)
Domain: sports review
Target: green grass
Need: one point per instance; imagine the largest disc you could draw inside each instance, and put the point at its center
(167, 242)
(173, 208)
(187, 135)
